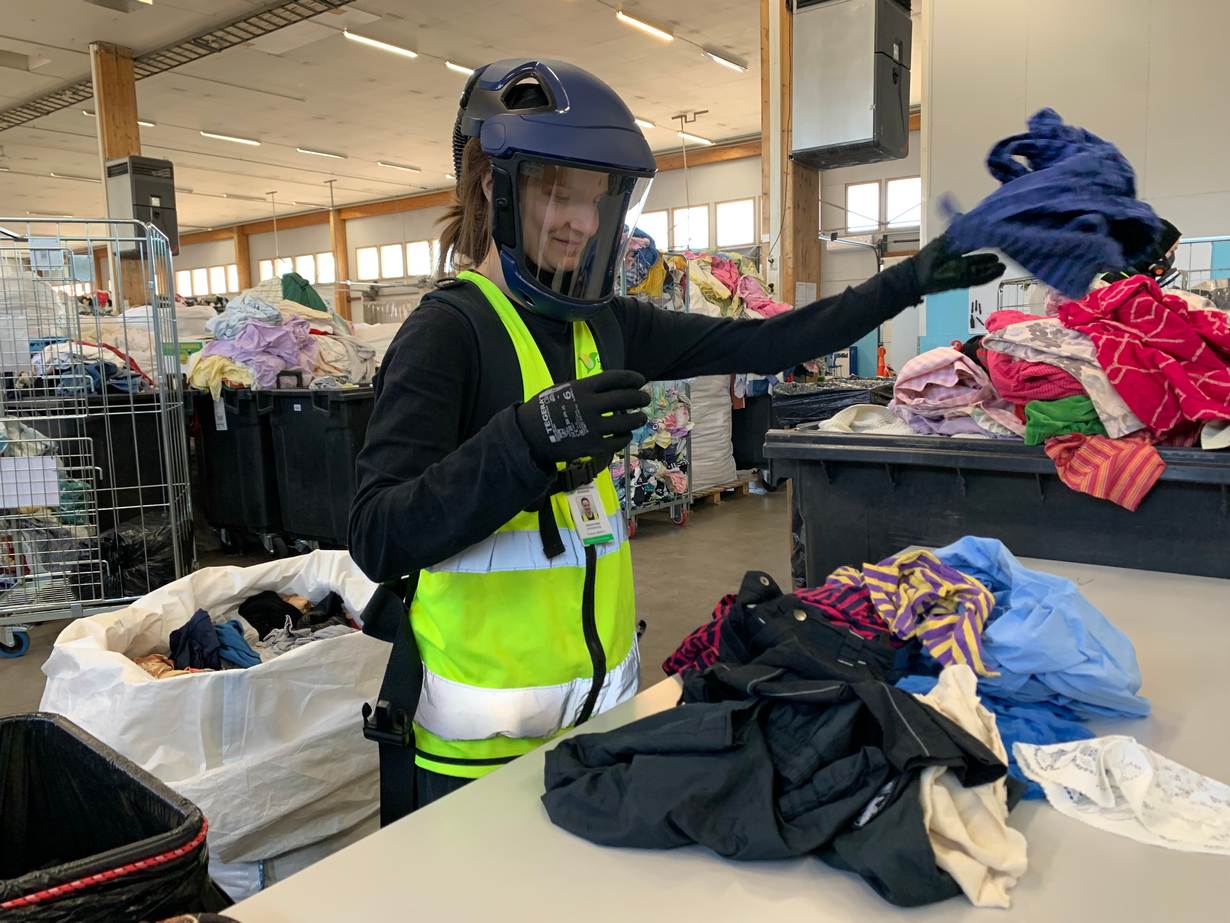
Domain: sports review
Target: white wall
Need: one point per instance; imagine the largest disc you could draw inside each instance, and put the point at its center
(212, 253)
(713, 182)
(290, 242)
(1144, 74)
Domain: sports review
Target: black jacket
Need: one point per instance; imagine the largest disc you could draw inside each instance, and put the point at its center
(444, 464)
(792, 747)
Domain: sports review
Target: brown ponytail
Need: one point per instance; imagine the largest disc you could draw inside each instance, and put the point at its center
(467, 224)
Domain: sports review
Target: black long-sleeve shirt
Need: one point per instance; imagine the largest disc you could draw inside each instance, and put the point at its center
(439, 473)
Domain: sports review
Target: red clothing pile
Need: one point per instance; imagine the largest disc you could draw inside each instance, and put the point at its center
(1169, 362)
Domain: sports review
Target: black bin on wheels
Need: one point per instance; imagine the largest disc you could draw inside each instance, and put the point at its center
(86, 835)
(235, 456)
(317, 436)
(865, 497)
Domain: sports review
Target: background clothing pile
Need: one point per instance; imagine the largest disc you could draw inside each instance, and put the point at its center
(280, 326)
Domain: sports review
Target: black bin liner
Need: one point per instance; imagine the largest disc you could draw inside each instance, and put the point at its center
(75, 813)
(139, 556)
(808, 403)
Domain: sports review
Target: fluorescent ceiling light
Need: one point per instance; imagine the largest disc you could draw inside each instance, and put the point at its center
(308, 205)
(80, 179)
(304, 150)
(232, 138)
(695, 139)
(643, 26)
(447, 176)
(398, 166)
(47, 215)
(140, 122)
(459, 68)
(725, 61)
(4, 169)
(644, 123)
(376, 43)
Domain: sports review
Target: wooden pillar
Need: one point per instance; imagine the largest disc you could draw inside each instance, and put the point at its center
(243, 258)
(766, 128)
(341, 263)
(800, 249)
(119, 135)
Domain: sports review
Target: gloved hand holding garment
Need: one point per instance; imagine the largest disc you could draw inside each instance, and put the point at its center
(941, 267)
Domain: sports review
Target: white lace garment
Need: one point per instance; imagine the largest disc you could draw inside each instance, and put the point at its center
(1118, 785)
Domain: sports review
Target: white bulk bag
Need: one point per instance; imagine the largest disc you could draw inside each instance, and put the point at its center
(274, 755)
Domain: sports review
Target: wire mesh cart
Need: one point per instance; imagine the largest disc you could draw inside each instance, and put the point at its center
(94, 500)
(655, 473)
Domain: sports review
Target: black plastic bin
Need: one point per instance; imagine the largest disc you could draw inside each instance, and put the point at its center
(114, 842)
(238, 482)
(128, 450)
(864, 498)
(317, 436)
(796, 404)
(748, 427)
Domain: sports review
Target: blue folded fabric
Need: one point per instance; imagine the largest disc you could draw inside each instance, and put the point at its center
(1029, 724)
(233, 648)
(1047, 641)
(1067, 214)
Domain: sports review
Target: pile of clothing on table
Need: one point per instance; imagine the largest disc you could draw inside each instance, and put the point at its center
(267, 626)
(280, 334)
(869, 722)
(658, 452)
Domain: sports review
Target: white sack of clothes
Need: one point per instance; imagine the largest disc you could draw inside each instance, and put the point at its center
(713, 455)
(273, 755)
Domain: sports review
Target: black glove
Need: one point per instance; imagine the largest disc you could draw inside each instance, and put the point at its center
(941, 268)
(587, 418)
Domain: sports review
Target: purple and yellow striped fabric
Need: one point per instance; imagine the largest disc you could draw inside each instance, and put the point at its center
(919, 596)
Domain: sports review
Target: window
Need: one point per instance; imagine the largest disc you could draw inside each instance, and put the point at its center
(657, 226)
(903, 202)
(863, 207)
(200, 281)
(264, 269)
(284, 265)
(736, 223)
(690, 228)
(326, 271)
(183, 282)
(232, 278)
(418, 258)
(369, 263)
(217, 281)
(392, 261)
(306, 266)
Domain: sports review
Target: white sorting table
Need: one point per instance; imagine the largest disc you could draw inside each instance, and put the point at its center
(490, 853)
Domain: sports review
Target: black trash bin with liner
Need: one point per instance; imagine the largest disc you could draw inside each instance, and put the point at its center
(234, 451)
(317, 435)
(86, 835)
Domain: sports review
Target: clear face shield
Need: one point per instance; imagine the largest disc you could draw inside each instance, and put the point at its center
(574, 226)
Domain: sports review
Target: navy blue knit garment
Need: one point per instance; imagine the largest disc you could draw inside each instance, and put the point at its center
(1067, 213)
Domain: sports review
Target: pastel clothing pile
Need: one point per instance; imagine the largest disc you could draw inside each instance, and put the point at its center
(937, 392)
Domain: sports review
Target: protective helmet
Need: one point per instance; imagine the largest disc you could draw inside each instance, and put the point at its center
(570, 171)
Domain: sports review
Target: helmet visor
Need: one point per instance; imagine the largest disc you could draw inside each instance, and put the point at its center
(574, 226)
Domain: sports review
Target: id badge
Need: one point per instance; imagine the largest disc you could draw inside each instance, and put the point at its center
(588, 517)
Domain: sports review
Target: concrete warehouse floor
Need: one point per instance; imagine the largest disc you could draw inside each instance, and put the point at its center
(680, 574)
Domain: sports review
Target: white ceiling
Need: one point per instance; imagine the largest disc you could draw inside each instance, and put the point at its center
(308, 86)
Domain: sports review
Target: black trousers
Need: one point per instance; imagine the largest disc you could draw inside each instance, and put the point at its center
(432, 786)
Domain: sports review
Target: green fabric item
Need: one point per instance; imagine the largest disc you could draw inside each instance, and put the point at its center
(1044, 419)
(297, 289)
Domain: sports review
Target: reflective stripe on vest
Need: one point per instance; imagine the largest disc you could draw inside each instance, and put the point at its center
(508, 658)
(456, 711)
(521, 549)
